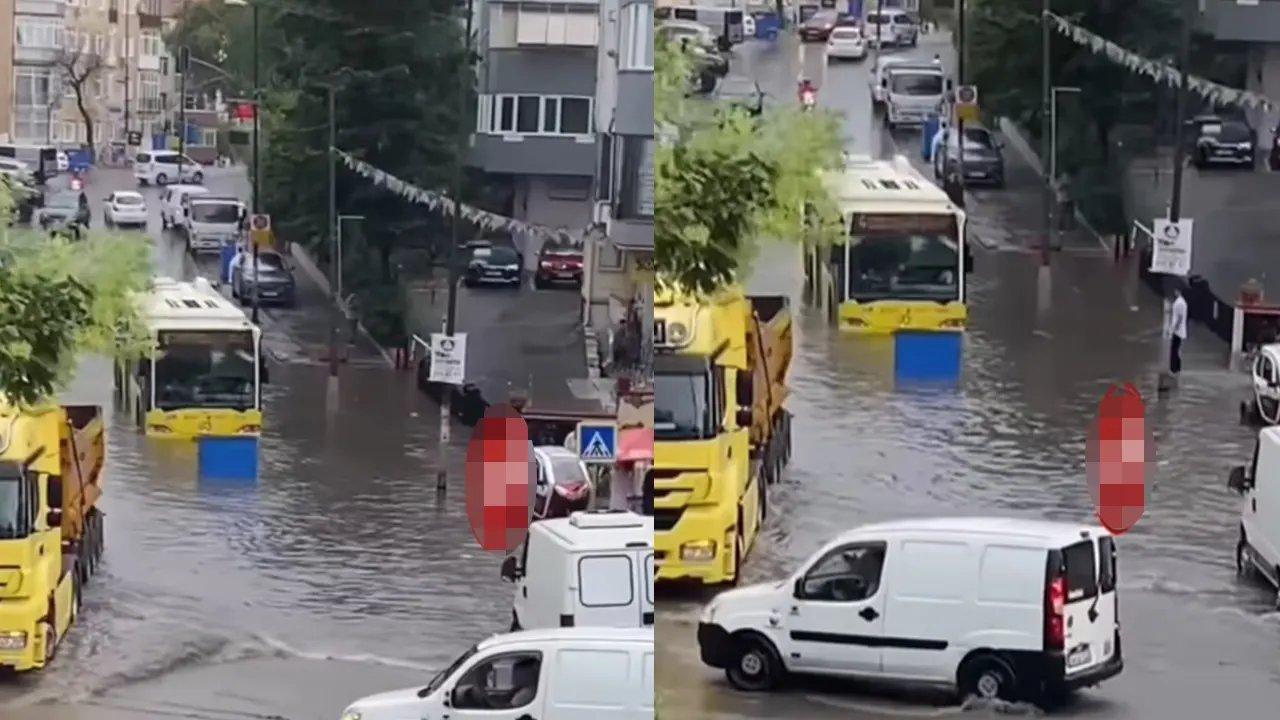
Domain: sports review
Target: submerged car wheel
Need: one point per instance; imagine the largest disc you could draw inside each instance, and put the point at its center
(755, 666)
(987, 677)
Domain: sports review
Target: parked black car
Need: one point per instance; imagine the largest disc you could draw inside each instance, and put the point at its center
(276, 284)
(496, 264)
(983, 159)
(1222, 141)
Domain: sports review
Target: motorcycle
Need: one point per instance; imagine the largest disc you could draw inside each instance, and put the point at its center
(808, 99)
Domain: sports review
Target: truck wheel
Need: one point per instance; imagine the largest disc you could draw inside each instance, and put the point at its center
(50, 641)
(764, 503)
(99, 538)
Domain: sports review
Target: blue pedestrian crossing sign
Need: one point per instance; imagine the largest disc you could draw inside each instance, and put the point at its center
(598, 441)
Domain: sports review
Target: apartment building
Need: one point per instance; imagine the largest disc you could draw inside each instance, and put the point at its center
(117, 46)
(1248, 32)
(8, 18)
(535, 134)
(619, 255)
(33, 80)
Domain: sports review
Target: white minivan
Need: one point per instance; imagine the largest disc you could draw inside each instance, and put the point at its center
(161, 167)
(998, 608)
(1258, 484)
(591, 568)
(583, 673)
(171, 203)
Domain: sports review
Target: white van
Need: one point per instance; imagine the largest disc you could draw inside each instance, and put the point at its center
(894, 27)
(912, 92)
(585, 673)
(591, 568)
(171, 203)
(161, 167)
(879, 73)
(210, 221)
(1259, 486)
(998, 608)
(725, 23)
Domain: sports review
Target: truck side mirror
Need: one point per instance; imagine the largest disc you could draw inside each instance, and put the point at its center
(54, 518)
(744, 388)
(1238, 480)
(510, 572)
(968, 260)
(743, 417)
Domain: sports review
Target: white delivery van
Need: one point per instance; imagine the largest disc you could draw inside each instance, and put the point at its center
(892, 27)
(583, 673)
(171, 203)
(998, 608)
(1259, 486)
(161, 167)
(591, 568)
(912, 92)
(210, 221)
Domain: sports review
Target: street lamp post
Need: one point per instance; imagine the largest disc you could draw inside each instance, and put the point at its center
(1046, 110)
(1053, 145)
(337, 249)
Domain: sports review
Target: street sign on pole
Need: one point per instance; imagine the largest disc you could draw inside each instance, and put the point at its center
(260, 230)
(1171, 249)
(598, 441)
(448, 358)
(134, 138)
(967, 103)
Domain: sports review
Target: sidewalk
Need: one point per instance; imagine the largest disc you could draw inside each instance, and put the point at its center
(524, 341)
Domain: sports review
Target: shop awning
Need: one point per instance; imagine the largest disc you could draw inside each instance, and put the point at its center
(635, 445)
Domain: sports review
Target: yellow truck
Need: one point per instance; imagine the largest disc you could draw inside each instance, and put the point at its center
(51, 539)
(721, 434)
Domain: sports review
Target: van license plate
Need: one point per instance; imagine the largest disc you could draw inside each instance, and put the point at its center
(1079, 657)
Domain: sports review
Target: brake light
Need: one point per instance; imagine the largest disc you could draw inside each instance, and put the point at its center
(1055, 601)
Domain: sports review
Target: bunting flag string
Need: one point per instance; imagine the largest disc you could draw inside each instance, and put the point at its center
(1160, 72)
(438, 202)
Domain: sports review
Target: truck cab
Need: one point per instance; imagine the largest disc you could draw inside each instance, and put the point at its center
(210, 221)
(912, 92)
(48, 541)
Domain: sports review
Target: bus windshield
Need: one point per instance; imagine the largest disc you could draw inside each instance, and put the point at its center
(905, 257)
(206, 369)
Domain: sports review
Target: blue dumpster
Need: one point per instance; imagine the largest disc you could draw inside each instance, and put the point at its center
(767, 26)
(228, 458)
(927, 358)
(928, 130)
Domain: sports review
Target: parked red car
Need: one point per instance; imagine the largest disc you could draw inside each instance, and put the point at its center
(818, 28)
(559, 264)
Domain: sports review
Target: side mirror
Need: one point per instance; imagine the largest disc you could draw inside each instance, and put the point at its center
(798, 589)
(745, 388)
(458, 695)
(949, 84)
(1238, 480)
(884, 83)
(968, 260)
(510, 572)
(54, 518)
(743, 417)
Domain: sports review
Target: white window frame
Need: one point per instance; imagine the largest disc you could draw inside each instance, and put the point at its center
(40, 33)
(636, 38)
(489, 115)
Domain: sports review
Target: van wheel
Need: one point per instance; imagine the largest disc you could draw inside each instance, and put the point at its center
(162, 179)
(198, 177)
(755, 666)
(987, 677)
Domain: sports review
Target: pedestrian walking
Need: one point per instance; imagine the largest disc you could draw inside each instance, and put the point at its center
(1177, 331)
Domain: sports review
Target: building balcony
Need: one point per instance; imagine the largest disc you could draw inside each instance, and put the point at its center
(545, 70)
(1234, 21)
(150, 14)
(35, 55)
(149, 104)
(148, 62)
(56, 8)
(534, 154)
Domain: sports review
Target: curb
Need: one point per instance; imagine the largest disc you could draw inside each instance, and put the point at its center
(1019, 142)
(312, 271)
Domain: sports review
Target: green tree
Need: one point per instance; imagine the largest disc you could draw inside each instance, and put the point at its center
(724, 180)
(59, 299)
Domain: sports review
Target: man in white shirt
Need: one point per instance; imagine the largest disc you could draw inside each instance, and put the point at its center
(935, 145)
(1177, 331)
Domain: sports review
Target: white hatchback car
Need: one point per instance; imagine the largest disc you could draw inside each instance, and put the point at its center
(125, 207)
(846, 43)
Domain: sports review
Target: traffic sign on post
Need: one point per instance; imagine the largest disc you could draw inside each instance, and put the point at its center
(598, 441)
(260, 230)
(967, 103)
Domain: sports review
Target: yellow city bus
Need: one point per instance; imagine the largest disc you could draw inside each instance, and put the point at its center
(204, 374)
(903, 264)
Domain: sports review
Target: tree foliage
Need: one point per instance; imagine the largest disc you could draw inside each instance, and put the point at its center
(724, 180)
(59, 299)
(404, 91)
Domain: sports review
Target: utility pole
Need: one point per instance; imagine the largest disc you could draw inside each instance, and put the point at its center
(333, 234)
(964, 50)
(1046, 109)
(184, 60)
(451, 313)
(1180, 111)
(127, 54)
(257, 107)
(879, 24)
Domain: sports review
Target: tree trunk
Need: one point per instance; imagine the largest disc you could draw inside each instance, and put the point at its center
(84, 114)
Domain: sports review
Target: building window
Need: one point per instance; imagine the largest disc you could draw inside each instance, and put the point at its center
(152, 46)
(534, 115)
(45, 34)
(637, 197)
(637, 38)
(545, 24)
(204, 137)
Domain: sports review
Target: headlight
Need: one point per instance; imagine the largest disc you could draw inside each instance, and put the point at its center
(351, 715)
(698, 551)
(1245, 145)
(13, 640)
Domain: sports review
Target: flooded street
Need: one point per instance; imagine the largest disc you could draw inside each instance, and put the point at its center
(1009, 440)
(338, 573)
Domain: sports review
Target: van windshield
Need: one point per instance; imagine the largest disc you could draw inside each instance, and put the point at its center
(1082, 582)
(448, 672)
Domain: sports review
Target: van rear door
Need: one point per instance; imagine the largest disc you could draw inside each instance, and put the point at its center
(607, 592)
(645, 569)
(1090, 609)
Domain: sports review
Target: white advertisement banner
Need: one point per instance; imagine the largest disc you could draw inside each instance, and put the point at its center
(1171, 247)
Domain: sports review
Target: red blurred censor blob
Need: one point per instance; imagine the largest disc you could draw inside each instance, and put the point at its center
(1119, 455)
(499, 479)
